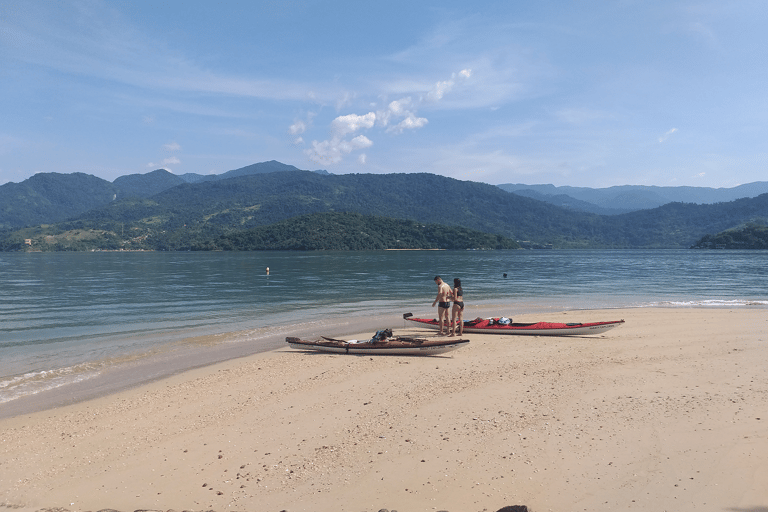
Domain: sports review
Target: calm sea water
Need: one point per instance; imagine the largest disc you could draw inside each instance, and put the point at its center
(70, 318)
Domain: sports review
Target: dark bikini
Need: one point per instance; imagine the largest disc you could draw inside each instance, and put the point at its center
(459, 293)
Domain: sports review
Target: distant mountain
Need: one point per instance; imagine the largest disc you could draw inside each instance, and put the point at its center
(146, 185)
(568, 202)
(52, 197)
(260, 168)
(193, 216)
(191, 177)
(156, 207)
(626, 198)
(262, 199)
(681, 224)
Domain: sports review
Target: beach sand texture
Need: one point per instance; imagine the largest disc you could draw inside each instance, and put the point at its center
(667, 412)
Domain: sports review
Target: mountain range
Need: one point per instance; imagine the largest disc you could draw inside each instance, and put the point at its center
(629, 198)
(188, 211)
(52, 197)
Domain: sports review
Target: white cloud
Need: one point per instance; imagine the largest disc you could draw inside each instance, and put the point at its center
(361, 141)
(300, 126)
(398, 116)
(396, 108)
(344, 125)
(399, 107)
(361, 159)
(666, 135)
(409, 123)
(172, 146)
(332, 151)
(441, 88)
(171, 161)
(297, 128)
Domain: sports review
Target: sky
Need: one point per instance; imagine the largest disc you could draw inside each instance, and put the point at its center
(581, 93)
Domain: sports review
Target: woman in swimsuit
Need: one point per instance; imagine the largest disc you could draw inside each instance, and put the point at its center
(457, 313)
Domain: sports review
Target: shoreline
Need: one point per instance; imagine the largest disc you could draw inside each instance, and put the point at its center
(176, 357)
(665, 412)
(123, 371)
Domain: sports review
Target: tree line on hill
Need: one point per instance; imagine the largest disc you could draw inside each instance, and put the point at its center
(356, 232)
(46, 198)
(751, 236)
(318, 231)
(203, 214)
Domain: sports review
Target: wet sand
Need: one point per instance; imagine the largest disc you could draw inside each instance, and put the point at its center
(667, 412)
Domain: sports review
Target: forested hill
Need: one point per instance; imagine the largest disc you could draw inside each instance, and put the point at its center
(751, 236)
(191, 215)
(258, 200)
(52, 197)
(356, 232)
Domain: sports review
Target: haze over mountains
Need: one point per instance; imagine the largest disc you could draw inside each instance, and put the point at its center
(630, 198)
(157, 205)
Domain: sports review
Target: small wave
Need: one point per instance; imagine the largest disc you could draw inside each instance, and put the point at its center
(717, 303)
(31, 383)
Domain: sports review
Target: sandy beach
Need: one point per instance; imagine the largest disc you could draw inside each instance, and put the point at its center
(667, 412)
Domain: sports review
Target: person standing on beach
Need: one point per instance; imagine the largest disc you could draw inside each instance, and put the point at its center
(457, 313)
(443, 304)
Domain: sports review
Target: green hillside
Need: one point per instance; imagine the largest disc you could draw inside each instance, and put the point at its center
(319, 231)
(751, 236)
(197, 215)
(356, 232)
(258, 200)
(52, 197)
(146, 185)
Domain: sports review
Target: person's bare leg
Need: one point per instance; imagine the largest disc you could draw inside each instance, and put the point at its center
(442, 318)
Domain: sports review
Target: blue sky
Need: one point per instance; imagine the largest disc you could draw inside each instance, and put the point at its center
(589, 93)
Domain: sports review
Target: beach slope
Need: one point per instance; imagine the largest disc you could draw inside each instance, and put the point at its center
(667, 412)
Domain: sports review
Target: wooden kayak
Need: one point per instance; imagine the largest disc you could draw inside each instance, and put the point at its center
(491, 326)
(390, 346)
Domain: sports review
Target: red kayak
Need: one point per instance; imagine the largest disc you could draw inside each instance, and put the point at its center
(493, 326)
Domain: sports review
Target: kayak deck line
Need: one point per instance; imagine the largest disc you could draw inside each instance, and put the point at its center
(492, 326)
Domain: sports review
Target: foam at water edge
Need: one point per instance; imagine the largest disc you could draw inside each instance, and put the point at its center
(31, 383)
